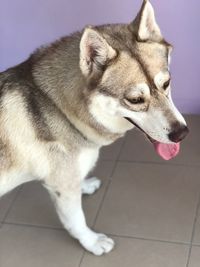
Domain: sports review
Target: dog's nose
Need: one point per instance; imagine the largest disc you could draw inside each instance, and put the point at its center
(180, 132)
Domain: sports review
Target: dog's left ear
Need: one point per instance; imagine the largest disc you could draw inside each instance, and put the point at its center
(145, 26)
(95, 52)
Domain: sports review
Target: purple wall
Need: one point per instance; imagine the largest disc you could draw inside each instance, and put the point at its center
(27, 24)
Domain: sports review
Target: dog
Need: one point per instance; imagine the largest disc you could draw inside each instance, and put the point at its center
(68, 99)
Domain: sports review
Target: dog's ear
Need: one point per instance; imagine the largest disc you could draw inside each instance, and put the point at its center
(145, 26)
(95, 52)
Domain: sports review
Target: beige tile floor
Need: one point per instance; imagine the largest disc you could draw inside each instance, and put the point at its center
(150, 207)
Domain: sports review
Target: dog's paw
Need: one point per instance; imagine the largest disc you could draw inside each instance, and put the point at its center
(89, 186)
(102, 245)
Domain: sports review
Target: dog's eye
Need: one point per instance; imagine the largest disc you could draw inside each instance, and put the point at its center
(138, 100)
(166, 84)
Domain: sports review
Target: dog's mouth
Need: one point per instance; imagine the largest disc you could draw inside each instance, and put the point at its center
(165, 151)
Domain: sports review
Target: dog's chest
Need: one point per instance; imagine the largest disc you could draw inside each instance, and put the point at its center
(86, 160)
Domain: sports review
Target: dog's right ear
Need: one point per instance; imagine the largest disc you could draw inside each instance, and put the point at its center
(95, 52)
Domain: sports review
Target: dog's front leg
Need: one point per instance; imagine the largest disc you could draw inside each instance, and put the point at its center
(69, 209)
(65, 184)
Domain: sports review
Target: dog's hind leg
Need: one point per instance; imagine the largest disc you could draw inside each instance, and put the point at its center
(90, 185)
(11, 179)
(10, 176)
(7, 183)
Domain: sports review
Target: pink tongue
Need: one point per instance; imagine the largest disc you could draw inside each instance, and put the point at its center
(167, 151)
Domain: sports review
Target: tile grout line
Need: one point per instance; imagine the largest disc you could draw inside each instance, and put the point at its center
(11, 204)
(150, 239)
(34, 226)
(105, 193)
(196, 245)
(110, 234)
(193, 231)
(82, 257)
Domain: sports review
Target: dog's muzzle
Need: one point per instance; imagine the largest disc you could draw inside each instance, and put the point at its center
(128, 119)
(179, 133)
(168, 151)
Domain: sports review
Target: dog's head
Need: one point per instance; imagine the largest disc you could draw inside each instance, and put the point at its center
(126, 67)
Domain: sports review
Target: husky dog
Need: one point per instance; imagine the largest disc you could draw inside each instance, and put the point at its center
(58, 108)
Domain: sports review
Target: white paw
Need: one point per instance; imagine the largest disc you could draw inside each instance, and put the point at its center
(103, 244)
(89, 186)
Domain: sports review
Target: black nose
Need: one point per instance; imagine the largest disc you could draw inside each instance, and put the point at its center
(179, 133)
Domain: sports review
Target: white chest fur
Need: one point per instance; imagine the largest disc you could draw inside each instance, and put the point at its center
(86, 160)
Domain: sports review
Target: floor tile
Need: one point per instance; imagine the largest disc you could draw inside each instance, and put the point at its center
(92, 203)
(195, 257)
(196, 239)
(29, 247)
(137, 148)
(5, 203)
(140, 253)
(151, 201)
(33, 205)
(112, 151)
